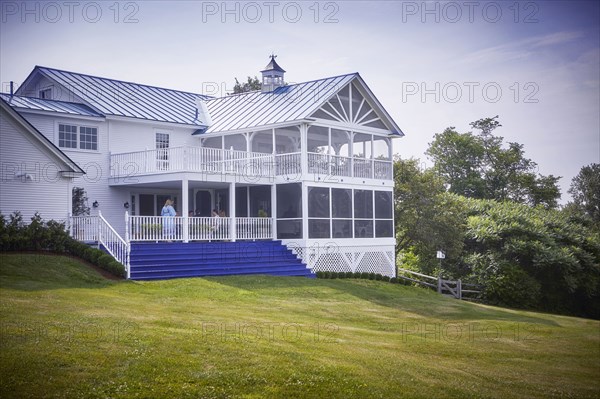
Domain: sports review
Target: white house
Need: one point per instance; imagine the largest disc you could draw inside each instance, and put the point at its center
(309, 164)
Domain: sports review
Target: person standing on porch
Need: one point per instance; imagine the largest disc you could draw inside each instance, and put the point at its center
(168, 213)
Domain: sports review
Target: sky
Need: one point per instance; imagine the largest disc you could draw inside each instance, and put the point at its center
(432, 65)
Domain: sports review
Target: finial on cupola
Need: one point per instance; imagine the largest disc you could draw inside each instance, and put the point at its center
(272, 76)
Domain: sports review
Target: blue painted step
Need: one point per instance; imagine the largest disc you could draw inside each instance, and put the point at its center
(174, 260)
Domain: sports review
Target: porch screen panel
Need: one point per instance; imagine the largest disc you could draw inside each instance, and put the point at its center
(363, 213)
(318, 212)
(260, 199)
(289, 211)
(341, 213)
(262, 141)
(384, 223)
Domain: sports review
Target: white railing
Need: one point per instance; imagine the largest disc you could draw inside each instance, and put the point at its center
(113, 242)
(250, 164)
(191, 159)
(155, 228)
(288, 164)
(171, 228)
(97, 230)
(84, 228)
(209, 228)
(258, 228)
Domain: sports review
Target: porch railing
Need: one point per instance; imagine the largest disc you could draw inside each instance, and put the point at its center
(96, 230)
(172, 228)
(84, 228)
(113, 242)
(242, 163)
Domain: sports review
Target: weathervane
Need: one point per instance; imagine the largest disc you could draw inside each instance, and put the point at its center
(273, 56)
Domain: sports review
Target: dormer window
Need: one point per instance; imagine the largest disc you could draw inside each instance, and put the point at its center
(46, 94)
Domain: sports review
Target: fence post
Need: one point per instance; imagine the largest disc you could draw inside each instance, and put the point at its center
(439, 285)
(99, 228)
(459, 288)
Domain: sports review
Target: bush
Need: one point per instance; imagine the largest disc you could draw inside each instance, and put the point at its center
(50, 236)
(349, 275)
(394, 280)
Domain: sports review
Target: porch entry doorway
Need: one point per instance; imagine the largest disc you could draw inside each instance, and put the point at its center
(203, 203)
(151, 204)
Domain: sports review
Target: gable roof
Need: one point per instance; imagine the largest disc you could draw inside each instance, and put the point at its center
(127, 99)
(38, 104)
(41, 139)
(284, 104)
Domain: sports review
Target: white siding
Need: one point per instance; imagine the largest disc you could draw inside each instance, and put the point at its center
(45, 191)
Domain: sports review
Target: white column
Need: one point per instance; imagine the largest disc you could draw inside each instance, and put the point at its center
(185, 208)
(232, 210)
(274, 210)
(304, 149)
(304, 211)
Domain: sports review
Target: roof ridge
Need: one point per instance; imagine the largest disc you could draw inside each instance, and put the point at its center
(288, 85)
(121, 81)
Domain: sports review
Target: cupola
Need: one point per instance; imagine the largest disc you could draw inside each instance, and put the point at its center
(272, 76)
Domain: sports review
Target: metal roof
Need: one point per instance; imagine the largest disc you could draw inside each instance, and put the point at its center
(134, 100)
(38, 104)
(284, 104)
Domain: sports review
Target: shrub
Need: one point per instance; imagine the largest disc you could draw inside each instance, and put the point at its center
(320, 275)
(394, 280)
(349, 275)
(378, 277)
(371, 276)
(104, 261)
(364, 275)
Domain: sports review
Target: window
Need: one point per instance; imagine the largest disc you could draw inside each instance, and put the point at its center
(384, 214)
(73, 136)
(67, 136)
(162, 151)
(88, 138)
(46, 94)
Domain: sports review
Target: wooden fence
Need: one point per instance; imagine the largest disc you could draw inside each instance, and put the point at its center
(455, 288)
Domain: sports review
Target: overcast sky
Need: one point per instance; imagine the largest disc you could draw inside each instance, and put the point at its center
(431, 64)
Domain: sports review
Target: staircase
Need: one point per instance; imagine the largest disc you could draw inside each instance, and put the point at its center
(150, 261)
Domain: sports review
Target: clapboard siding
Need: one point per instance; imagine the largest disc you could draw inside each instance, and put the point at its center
(45, 191)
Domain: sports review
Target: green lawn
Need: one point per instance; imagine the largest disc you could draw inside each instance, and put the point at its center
(65, 331)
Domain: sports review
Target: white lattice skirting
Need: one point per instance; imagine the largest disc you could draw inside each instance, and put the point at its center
(333, 258)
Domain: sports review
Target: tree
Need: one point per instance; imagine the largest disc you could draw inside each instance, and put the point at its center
(480, 166)
(250, 85)
(79, 202)
(427, 217)
(532, 257)
(585, 189)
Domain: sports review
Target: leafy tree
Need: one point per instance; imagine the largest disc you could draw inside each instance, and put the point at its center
(480, 166)
(250, 85)
(585, 189)
(533, 257)
(427, 217)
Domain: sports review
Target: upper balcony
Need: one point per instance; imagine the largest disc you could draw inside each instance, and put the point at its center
(216, 161)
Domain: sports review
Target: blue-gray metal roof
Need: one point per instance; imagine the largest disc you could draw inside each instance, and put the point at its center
(48, 105)
(115, 97)
(284, 104)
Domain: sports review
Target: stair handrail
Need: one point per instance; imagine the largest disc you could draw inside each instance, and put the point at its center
(121, 250)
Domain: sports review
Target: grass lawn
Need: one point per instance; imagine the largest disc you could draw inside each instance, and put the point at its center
(66, 331)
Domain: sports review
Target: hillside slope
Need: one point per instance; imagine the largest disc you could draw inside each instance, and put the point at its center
(65, 331)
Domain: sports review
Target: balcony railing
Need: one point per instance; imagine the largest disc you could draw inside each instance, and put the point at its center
(334, 165)
(243, 163)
